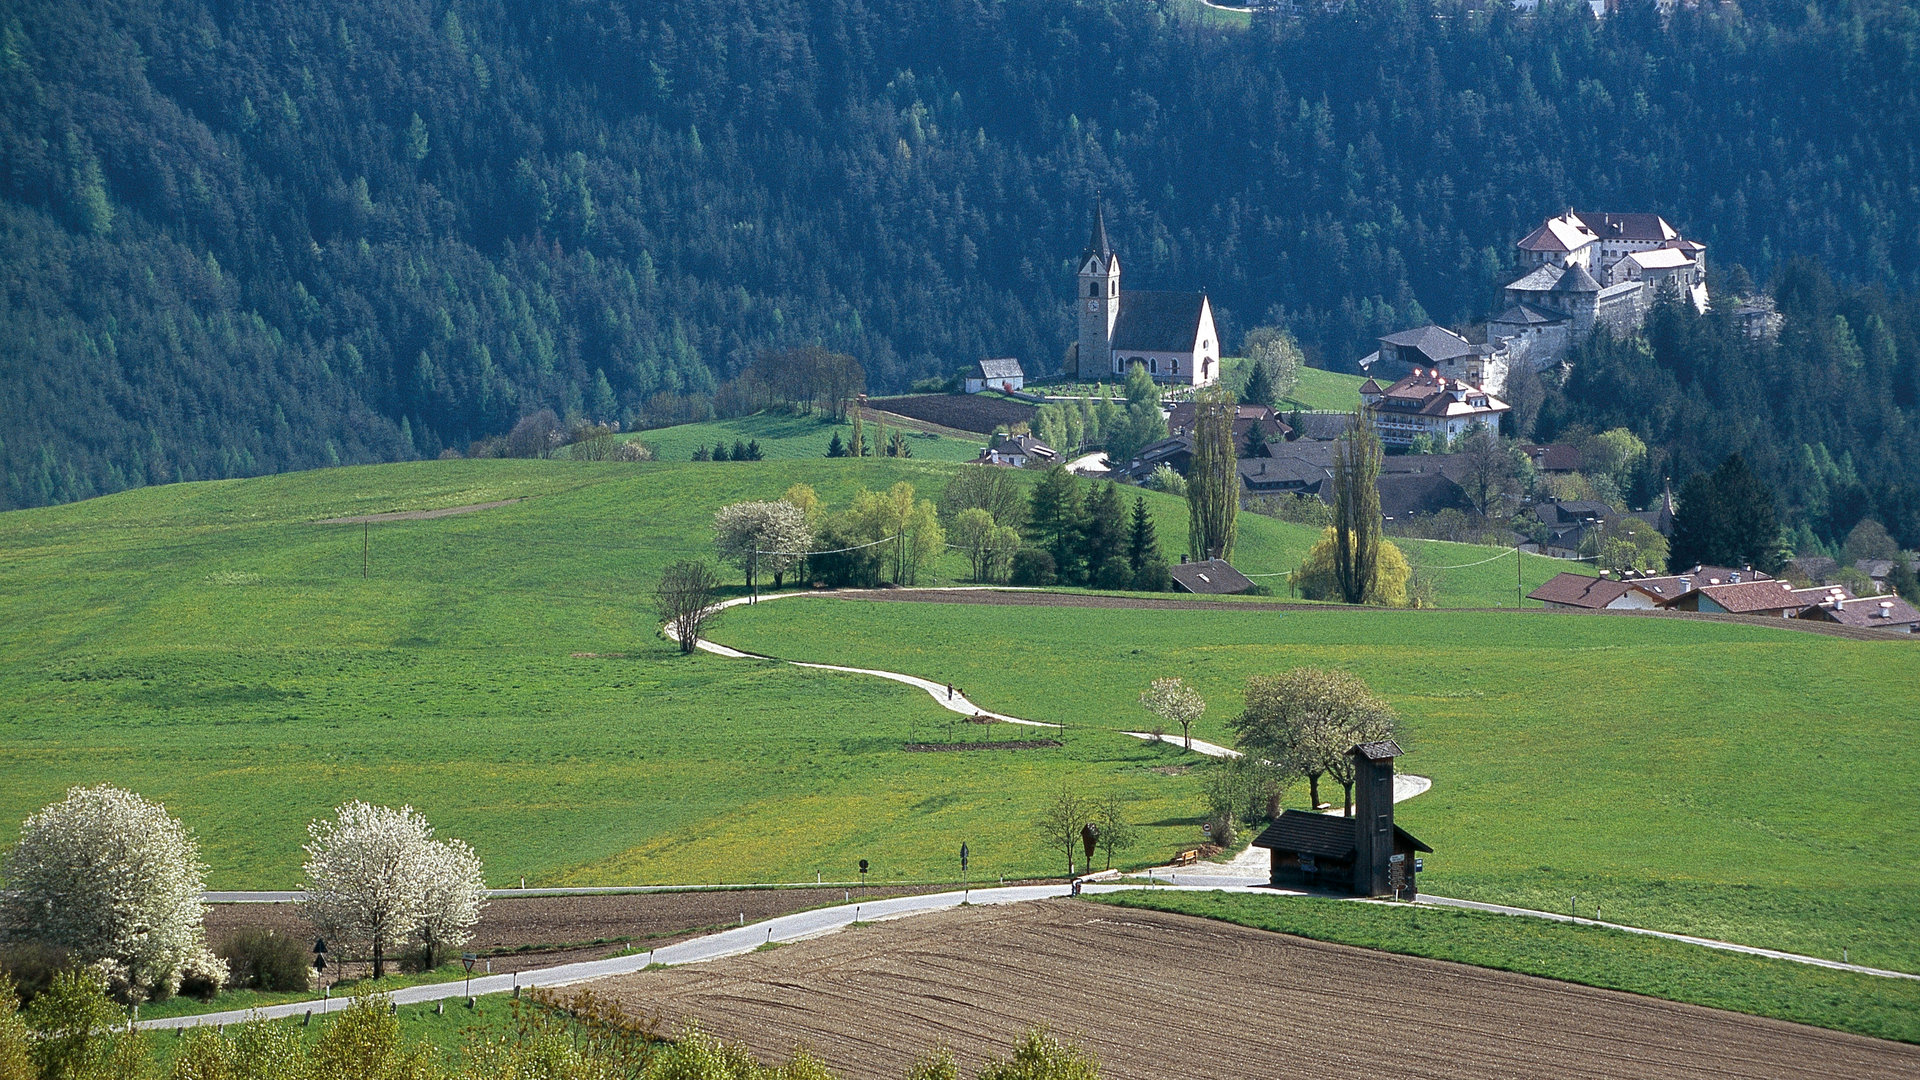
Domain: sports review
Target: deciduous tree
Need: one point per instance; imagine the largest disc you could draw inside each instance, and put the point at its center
(1356, 510)
(762, 537)
(116, 880)
(377, 877)
(684, 599)
(1213, 479)
(1059, 821)
(1308, 718)
(1172, 700)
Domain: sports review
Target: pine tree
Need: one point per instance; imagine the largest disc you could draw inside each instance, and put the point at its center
(753, 451)
(1104, 528)
(1143, 550)
(720, 452)
(740, 452)
(1726, 518)
(1055, 521)
(836, 448)
(1259, 389)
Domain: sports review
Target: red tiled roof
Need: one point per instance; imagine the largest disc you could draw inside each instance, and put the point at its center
(1578, 590)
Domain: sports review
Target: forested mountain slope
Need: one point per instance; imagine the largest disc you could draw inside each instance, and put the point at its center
(237, 238)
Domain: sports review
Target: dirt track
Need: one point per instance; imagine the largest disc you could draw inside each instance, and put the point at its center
(1163, 996)
(415, 515)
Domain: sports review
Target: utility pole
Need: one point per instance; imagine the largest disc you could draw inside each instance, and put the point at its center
(366, 544)
(753, 574)
(1517, 560)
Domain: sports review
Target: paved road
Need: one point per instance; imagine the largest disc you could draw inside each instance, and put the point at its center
(793, 927)
(808, 924)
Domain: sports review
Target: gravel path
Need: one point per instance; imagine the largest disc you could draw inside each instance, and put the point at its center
(415, 515)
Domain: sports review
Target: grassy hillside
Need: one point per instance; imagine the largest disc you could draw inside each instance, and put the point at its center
(211, 646)
(1318, 388)
(785, 437)
(1732, 781)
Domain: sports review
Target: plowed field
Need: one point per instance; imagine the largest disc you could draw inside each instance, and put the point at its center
(1162, 996)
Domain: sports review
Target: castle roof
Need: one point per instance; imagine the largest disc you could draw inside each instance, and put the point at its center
(1638, 227)
(1097, 242)
(1565, 233)
(1158, 321)
(1436, 343)
(1525, 314)
(1576, 279)
(1543, 279)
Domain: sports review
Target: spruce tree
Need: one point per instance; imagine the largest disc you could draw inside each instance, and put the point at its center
(1726, 518)
(1105, 544)
(1055, 523)
(836, 448)
(740, 452)
(1143, 550)
(720, 452)
(1259, 389)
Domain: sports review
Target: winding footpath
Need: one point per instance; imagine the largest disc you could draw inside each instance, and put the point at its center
(1246, 873)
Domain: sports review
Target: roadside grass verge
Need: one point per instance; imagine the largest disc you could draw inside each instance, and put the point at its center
(1591, 956)
(343, 991)
(1730, 781)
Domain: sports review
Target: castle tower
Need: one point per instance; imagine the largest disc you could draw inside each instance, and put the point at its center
(1098, 301)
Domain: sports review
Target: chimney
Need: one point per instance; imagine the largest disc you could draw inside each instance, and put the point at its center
(1886, 609)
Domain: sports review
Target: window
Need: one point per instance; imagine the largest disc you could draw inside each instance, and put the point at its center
(1093, 289)
(1115, 290)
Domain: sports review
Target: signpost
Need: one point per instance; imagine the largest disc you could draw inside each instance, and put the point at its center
(965, 885)
(863, 872)
(467, 959)
(320, 965)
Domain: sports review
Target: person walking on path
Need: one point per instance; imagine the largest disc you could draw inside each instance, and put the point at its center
(949, 691)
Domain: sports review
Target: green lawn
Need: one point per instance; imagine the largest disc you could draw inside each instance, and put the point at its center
(1318, 389)
(783, 437)
(1737, 782)
(1593, 956)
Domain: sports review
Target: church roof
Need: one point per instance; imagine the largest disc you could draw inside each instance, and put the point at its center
(1004, 367)
(1158, 321)
(1097, 242)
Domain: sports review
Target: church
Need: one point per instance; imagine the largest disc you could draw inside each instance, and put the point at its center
(1170, 333)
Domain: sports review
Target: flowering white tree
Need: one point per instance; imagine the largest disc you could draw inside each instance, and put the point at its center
(376, 875)
(1171, 699)
(110, 876)
(761, 537)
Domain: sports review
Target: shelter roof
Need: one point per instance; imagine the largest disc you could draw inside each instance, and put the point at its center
(1005, 367)
(1321, 835)
(1212, 576)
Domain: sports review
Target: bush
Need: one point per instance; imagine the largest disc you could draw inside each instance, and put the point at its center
(1113, 574)
(32, 966)
(1032, 566)
(1155, 576)
(262, 959)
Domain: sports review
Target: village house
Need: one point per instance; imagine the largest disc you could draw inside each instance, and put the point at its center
(1016, 451)
(1635, 591)
(1887, 612)
(1442, 350)
(1209, 577)
(1774, 599)
(1003, 374)
(1428, 403)
(1171, 334)
(1247, 418)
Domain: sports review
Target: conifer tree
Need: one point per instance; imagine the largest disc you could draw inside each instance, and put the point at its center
(1143, 550)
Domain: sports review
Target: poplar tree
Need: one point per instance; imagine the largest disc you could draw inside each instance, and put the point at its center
(1213, 496)
(1356, 510)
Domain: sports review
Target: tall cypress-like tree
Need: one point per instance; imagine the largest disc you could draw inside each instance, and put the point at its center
(1213, 482)
(1356, 509)
(1725, 518)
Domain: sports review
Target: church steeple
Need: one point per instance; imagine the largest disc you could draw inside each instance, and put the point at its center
(1098, 300)
(1097, 243)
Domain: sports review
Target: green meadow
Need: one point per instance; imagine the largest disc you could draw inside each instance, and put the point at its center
(212, 647)
(1736, 782)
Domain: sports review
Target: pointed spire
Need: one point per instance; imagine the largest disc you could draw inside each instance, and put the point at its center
(1097, 243)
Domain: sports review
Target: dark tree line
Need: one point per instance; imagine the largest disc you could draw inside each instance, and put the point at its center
(243, 238)
(1825, 417)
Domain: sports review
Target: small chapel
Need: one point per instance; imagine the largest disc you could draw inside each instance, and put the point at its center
(1170, 333)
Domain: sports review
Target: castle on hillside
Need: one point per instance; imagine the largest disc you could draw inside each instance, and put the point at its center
(1170, 333)
(1585, 271)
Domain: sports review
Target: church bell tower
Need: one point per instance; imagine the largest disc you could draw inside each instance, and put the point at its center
(1097, 301)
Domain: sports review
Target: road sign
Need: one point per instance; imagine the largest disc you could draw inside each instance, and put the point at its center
(963, 857)
(468, 959)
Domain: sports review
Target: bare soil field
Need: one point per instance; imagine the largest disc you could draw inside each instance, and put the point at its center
(415, 515)
(1160, 996)
(963, 412)
(539, 931)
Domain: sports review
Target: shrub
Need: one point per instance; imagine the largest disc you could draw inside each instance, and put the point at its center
(31, 966)
(1032, 566)
(263, 959)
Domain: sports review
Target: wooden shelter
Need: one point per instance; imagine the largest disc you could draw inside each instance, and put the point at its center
(1363, 855)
